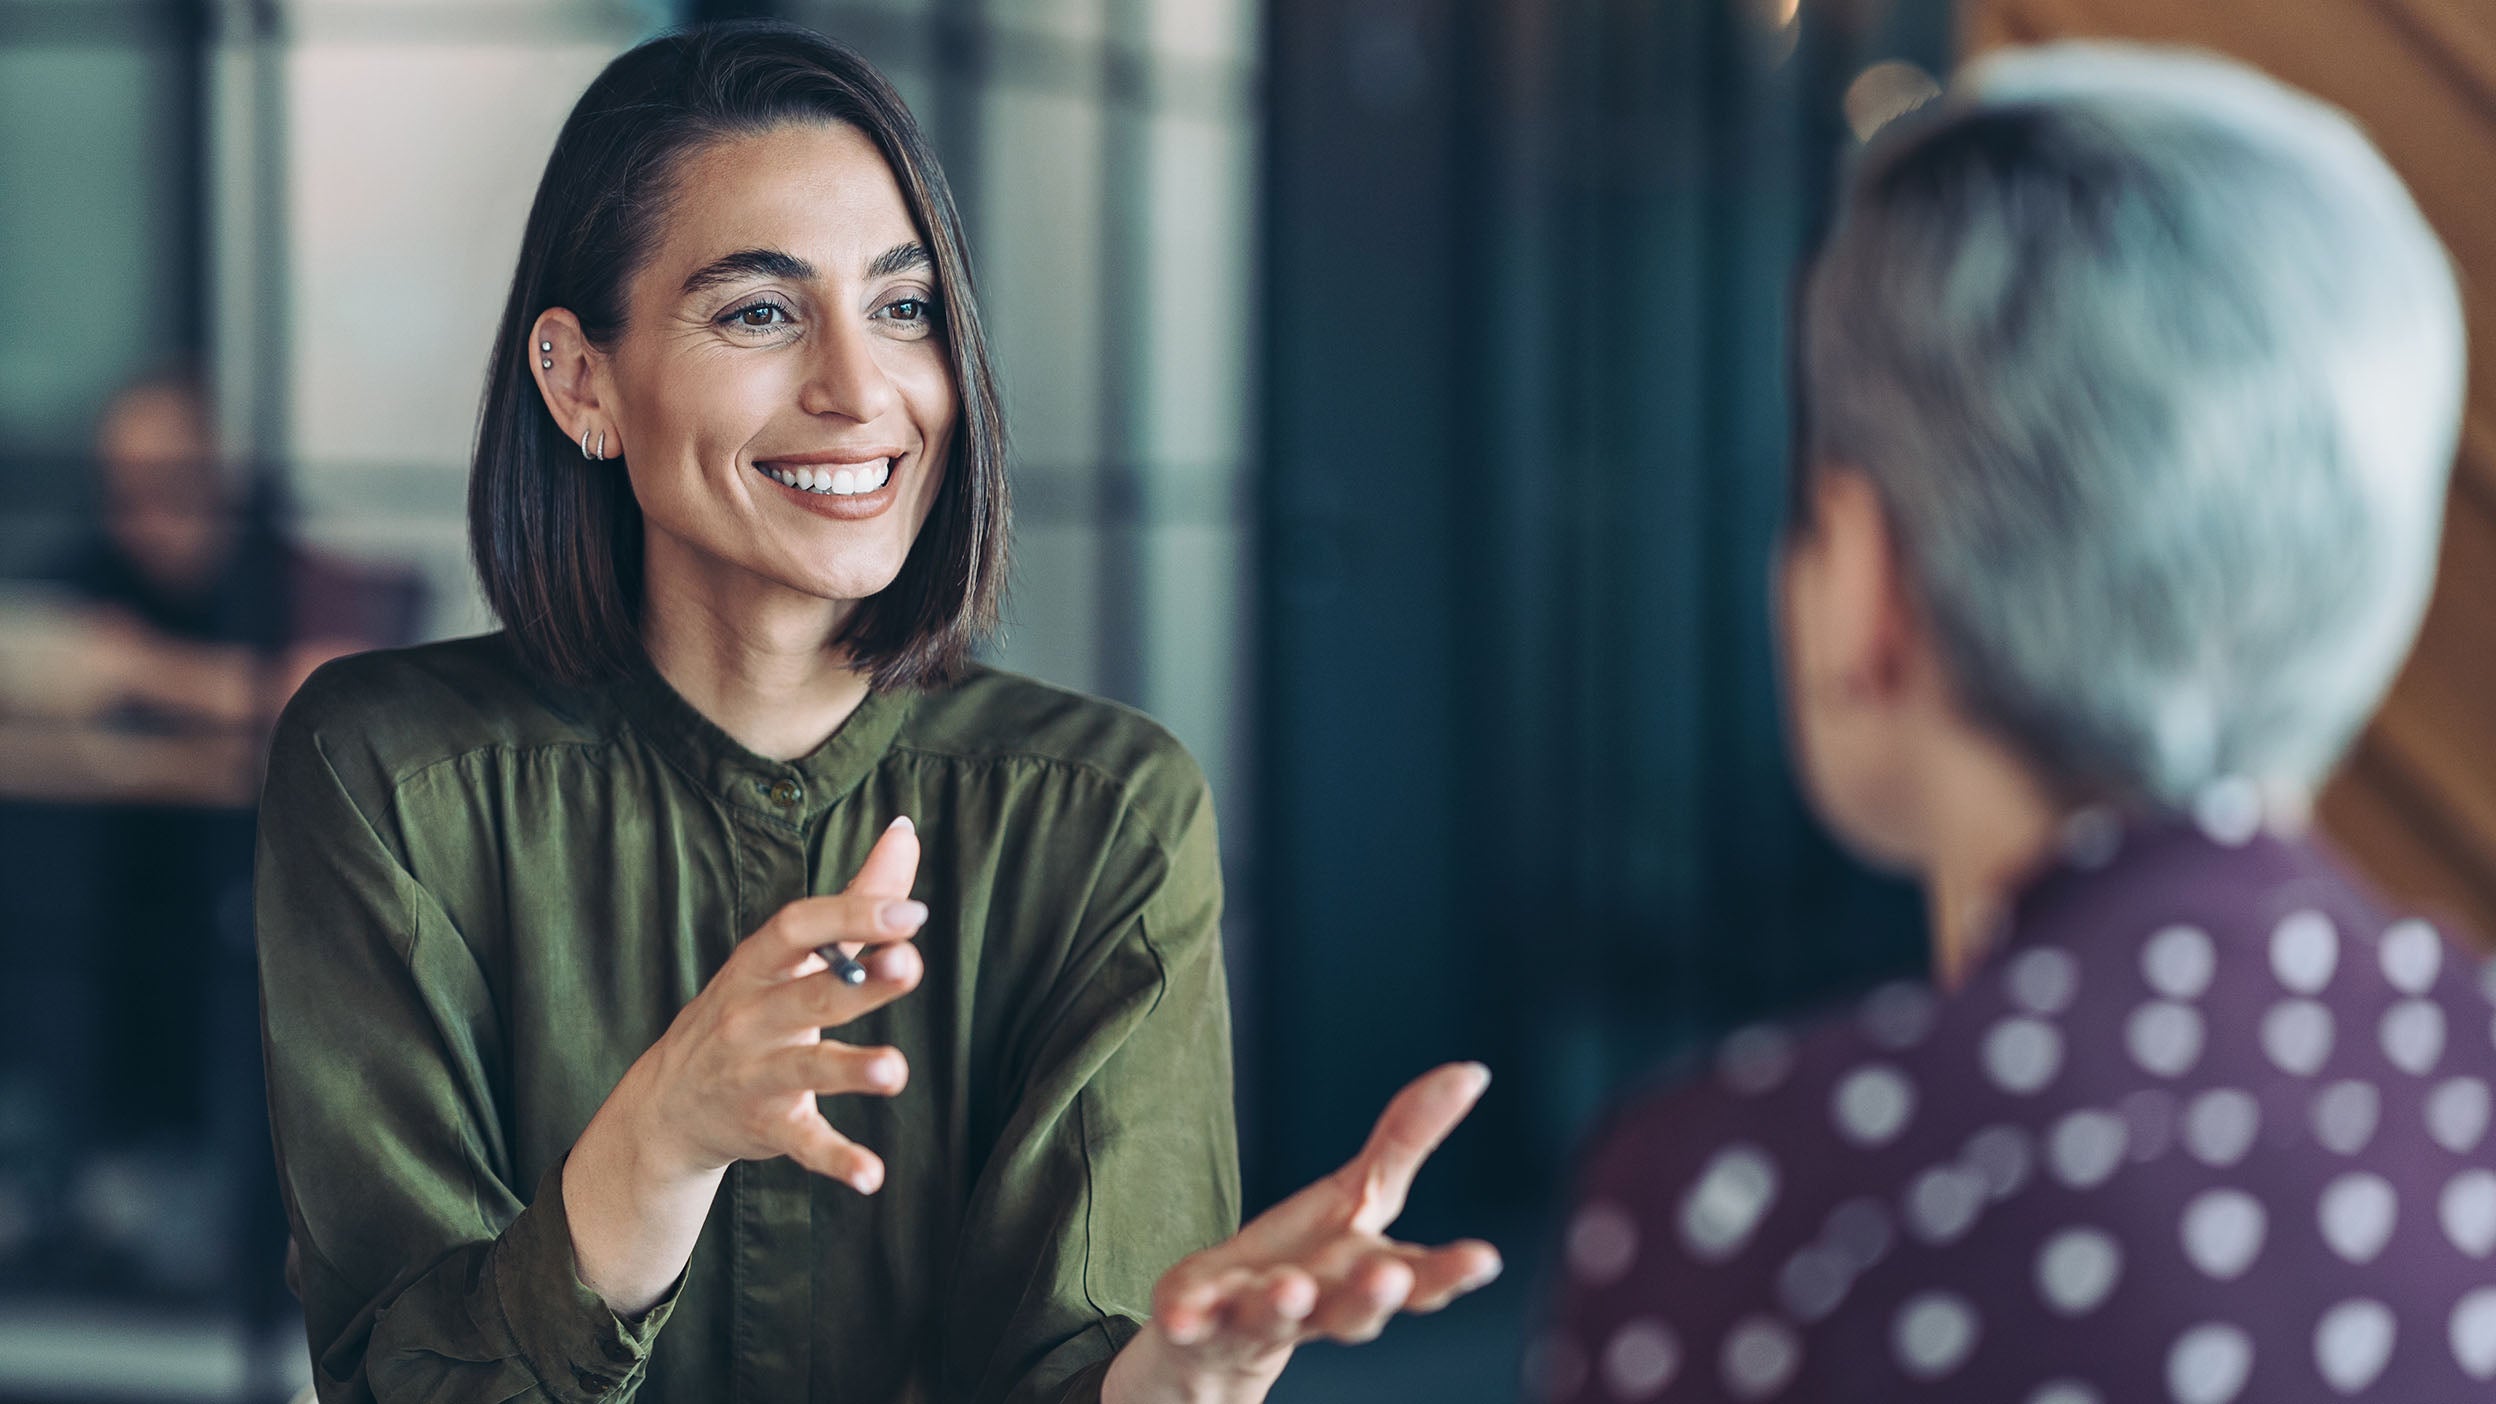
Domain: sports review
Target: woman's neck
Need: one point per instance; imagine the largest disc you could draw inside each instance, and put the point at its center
(1990, 827)
(754, 658)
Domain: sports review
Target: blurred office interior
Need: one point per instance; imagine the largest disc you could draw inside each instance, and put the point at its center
(1397, 392)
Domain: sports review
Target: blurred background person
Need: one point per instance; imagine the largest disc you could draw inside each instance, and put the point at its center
(1399, 401)
(2129, 387)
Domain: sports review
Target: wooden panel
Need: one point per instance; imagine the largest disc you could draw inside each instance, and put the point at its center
(2416, 805)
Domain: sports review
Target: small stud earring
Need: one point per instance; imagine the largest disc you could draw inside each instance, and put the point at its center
(549, 365)
(545, 346)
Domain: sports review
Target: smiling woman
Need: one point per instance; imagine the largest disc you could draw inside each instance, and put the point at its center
(557, 925)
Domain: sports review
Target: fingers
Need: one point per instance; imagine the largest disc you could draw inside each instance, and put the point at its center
(787, 942)
(1413, 1125)
(892, 865)
(1268, 1310)
(1189, 1297)
(1359, 1307)
(837, 1069)
(1441, 1275)
(814, 1144)
(817, 1000)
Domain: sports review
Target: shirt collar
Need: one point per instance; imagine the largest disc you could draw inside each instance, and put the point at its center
(792, 792)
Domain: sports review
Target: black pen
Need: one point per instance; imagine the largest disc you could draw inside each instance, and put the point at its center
(844, 969)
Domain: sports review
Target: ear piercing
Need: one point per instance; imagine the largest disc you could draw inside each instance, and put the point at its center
(601, 455)
(549, 361)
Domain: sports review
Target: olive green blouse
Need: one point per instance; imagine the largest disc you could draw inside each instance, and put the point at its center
(482, 897)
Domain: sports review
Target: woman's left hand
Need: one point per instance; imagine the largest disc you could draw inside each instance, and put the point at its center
(1317, 1265)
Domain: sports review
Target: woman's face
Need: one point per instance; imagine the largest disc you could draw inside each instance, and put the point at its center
(782, 393)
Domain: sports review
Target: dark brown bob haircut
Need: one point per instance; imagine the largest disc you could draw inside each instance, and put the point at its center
(557, 539)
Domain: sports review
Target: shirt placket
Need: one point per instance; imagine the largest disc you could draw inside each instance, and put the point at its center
(771, 1200)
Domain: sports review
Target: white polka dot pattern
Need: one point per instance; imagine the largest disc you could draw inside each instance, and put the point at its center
(2229, 810)
(1934, 1334)
(2223, 1232)
(1813, 1282)
(2467, 1209)
(2345, 1116)
(1873, 1104)
(2003, 1157)
(2209, 1364)
(2297, 1034)
(2165, 1037)
(1641, 1359)
(2357, 1215)
(2413, 1035)
(2287, 1095)
(2412, 956)
(1602, 1243)
(1942, 1204)
(2179, 961)
(1761, 1356)
(1725, 1206)
(2044, 980)
(2085, 1148)
(2472, 1334)
(2352, 1344)
(2077, 1268)
(2220, 1126)
(2022, 1055)
(2305, 949)
(2458, 1112)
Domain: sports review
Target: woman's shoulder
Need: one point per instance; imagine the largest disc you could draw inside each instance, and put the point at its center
(393, 711)
(991, 716)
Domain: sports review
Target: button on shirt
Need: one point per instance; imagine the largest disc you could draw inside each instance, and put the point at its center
(2206, 1128)
(482, 897)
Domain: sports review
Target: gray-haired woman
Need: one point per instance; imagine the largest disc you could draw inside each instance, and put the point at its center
(2132, 381)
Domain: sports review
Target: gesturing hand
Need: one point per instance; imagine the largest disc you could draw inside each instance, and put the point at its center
(1319, 1264)
(736, 1075)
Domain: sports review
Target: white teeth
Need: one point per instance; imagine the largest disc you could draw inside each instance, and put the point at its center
(836, 482)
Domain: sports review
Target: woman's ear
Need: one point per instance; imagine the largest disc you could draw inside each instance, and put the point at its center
(1866, 606)
(569, 373)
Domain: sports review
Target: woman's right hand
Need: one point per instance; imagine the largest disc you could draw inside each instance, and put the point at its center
(736, 1075)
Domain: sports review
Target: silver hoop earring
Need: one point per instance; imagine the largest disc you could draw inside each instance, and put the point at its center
(602, 445)
(585, 453)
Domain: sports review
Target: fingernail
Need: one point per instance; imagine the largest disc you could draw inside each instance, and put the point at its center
(867, 1179)
(1485, 1277)
(1481, 1076)
(903, 823)
(884, 1072)
(902, 916)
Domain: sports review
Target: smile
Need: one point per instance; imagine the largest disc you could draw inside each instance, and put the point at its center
(849, 481)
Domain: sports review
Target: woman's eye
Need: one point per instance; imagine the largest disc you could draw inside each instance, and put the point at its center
(909, 311)
(760, 316)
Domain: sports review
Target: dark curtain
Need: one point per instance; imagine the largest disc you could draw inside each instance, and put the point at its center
(1525, 789)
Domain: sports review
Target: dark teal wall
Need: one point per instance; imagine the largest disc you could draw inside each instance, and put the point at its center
(1525, 788)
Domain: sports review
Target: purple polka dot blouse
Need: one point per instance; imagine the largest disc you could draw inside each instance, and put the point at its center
(2204, 1128)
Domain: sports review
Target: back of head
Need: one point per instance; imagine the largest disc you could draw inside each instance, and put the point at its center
(2158, 371)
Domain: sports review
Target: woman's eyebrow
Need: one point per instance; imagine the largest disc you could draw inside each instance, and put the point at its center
(900, 258)
(750, 263)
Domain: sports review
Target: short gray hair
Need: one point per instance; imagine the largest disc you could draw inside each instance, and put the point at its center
(2158, 371)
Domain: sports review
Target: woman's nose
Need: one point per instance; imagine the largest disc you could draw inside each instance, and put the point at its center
(846, 378)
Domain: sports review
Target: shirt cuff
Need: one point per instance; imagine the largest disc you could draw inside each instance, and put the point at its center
(579, 1349)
